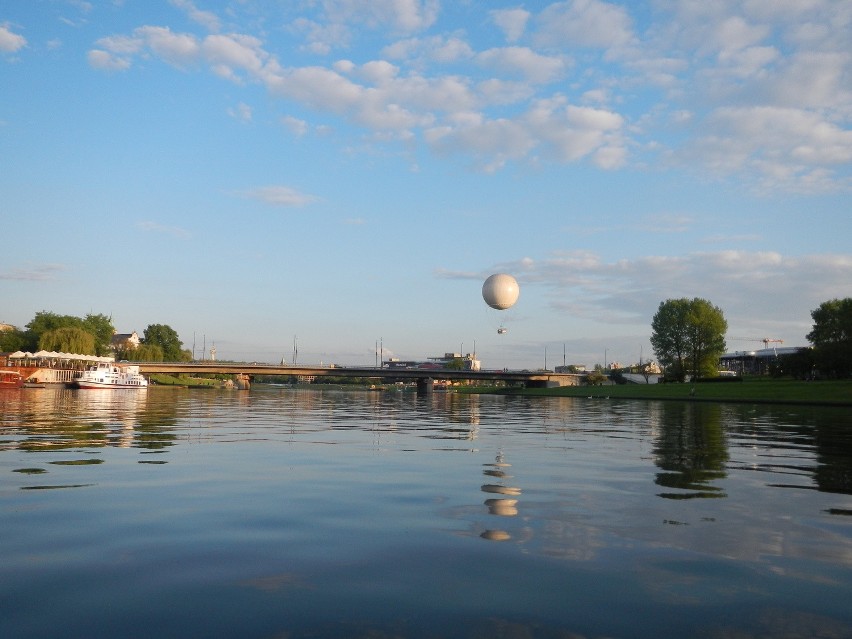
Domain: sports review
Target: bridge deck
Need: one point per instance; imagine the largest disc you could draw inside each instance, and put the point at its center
(388, 374)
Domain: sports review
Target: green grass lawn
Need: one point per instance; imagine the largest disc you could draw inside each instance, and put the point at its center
(837, 392)
(161, 379)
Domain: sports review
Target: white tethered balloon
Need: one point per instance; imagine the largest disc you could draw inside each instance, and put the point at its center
(500, 291)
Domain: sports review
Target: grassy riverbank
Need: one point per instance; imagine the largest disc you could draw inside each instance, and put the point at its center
(161, 379)
(760, 390)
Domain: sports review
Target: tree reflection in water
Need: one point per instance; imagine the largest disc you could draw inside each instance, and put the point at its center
(691, 449)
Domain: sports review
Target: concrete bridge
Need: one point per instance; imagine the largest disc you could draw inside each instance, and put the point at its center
(423, 377)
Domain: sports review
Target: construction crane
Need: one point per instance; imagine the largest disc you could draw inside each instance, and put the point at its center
(766, 340)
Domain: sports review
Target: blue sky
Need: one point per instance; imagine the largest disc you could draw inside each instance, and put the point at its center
(345, 172)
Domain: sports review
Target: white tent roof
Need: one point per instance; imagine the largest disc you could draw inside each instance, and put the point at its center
(54, 355)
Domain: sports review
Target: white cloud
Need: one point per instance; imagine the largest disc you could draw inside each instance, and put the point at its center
(207, 19)
(242, 112)
(759, 101)
(322, 38)
(523, 61)
(438, 48)
(559, 130)
(513, 22)
(751, 288)
(10, 42)
(106, 61)
(399, 15)
(296, 126)
(784, 146)
(279, 196)
(178, 49)
(583, 23)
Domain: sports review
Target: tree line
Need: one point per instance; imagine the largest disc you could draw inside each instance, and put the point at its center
(92, 335)
(688, 337)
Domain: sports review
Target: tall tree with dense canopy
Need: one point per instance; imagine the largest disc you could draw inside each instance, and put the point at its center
(45, 321)
(101, 327)
(167, 339)
(688, 336)
(68, 339)
(707, 337)
(670, 336)
(12, 340)
(832, 337)
(148, 353)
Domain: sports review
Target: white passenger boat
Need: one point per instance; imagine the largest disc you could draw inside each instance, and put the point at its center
(108, 375)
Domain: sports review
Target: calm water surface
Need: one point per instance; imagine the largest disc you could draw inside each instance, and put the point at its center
(293, 513)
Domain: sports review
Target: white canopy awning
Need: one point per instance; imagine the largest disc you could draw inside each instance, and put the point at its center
(71, 357)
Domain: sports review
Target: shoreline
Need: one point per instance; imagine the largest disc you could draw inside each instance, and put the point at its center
(834, 393)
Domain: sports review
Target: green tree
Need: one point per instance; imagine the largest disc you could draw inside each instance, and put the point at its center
(11, 341)
(670, 336)
(148, 353)
(45, 321)
(688, 336)
(68, 339)
(101, 327)
(707, 328)
(832, 337)
(456, 364)
(167, 339)
(595, 378)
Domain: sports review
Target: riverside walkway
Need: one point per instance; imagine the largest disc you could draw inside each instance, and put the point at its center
(424, 377)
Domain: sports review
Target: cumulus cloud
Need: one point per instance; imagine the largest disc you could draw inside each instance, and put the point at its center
(512, 22)
(279, 196)
(10, 42)
(207, 19)
(759, 92)
(786, 147)
(523, 61)
(437, 48)
(106, 61)
(399, 15)
(583, 23)
(296, 126)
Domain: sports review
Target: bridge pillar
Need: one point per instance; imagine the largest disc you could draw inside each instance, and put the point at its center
(541, 383)
(242, 381)
(424, 385)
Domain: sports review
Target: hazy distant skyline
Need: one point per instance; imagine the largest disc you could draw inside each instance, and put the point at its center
(348, 171)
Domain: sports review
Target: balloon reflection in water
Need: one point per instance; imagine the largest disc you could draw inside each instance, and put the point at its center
(499, 506)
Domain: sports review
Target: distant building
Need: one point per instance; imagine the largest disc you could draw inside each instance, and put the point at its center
(124, 341)
(448, 360)
(570, 368)
(755, 362)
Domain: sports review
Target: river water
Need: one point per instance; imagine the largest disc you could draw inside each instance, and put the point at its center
(296, 513)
